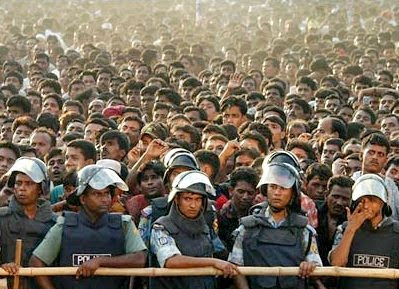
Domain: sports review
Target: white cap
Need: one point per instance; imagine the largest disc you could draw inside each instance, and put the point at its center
(191, 181)
(110, 164)
(370, 185)
(32, 167)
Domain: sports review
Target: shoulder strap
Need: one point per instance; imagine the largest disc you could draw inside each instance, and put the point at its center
(248, 221)
(159, 208)
(71, 219)
(167, 224)
(115, 220)
(4, 211)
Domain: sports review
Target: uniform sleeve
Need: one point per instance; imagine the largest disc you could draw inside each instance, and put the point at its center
(337, 240)
(49, 248)
(312, 255)
(236, 256)
(133, 241)
(145, 225)
(163, 245)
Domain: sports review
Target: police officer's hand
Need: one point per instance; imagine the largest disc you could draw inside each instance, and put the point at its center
(306, 268)
(10, 268)
(229, 269)
(357, 218)
(88, 268)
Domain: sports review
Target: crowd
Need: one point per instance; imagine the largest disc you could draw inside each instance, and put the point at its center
(180, 134)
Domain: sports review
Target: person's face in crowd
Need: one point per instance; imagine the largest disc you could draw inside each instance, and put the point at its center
(103, 82)
(144, 142)
(91, 132)
(386, 102)
(294, 131)
(365, 63)
(133, 97)
(46, 90)
(337, 69)
(186, 92)
(132, 129)
(62, 63)
(257, 76)
(43, 63)
(147, 103)
(291, 69)
(89, 81)
(126, 74)
(160, 115)
(190, 205)
(250, 144)
(14, 81)
(277, 132)
(333, 105)
(26, 190)
(316, 188)
(269, 70)
(209, 108)
(179, 134)
(279, 197)
(215, 145)
(7, 159)
(319, 103)
(96, 202)
(393, 173)
(51, 105)
(389, 53)
(351, 148)
(41, 142)
(249, 85)
(304, 91)
(193, 116)
(242, 195)
(299, 153)
(76, 89)
(394, 151)
(362, 117)
(151, 184)
(347, 79)
(56, 168)
(232, 115)
(110, 150)
(15, 111)
(96, 105)
(226, 70)
(392, 66)
(353, 166)
(328, 153)
(243, 160)
(35, 104)
(295, 111)
(337, 200)
(373, 206)
(75, 159)
(75, 126)
(346, 113)
(374, 159)
(20, 133)
(6, 132)
(272, 96)
(384, 79)
(388, 125)
(142, 74)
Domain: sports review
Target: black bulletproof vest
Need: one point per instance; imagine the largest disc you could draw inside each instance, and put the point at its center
(193, 245)
(373, 249)
(83, 240)
(266, 246)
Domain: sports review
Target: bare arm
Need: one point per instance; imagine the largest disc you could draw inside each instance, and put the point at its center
(43, 281)
(180, 261)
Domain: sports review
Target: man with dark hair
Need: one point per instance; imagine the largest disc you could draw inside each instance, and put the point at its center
(234, 111)
(42, 140)
(187, 86)
(47, 86)
(209, 163)
(389, 124)
(254, 140)
(274, 94)
(195, 113)
(15, 79)
(9, 153)
(167, 96)
(189, 134)
(316, 178)
(244, 157)
(242, 189)
(270, 67)
(147, 94)
(332, 127)
(52, 103)
(78, 154)
(22, 127)
(302, 150)
(306, 87)
(297, 108)
(277, 127)
(227, 67)
(131, 126)
(114, 145)
(160, 112)
(54, 160)
(330, 147)
(18, 105)
(103, 79)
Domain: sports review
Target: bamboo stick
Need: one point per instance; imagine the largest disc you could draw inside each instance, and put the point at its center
(204, 271)
(18, 256)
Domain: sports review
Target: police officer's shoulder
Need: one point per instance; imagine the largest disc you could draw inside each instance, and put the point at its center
(167, 225)
(5, 211)
(248, 221)
(311, 230)
(395, 225)
(256, 209)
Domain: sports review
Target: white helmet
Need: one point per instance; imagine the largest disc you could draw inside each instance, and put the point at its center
(191, 181)
(34, 168)
(98, 178)
(370, 185)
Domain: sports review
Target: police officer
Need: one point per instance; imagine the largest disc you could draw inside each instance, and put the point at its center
(182, 238)
(28, 215)
(370, 237)
(277, 234)
(93, 237)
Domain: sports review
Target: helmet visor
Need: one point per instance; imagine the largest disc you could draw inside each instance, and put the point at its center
(278, 174)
